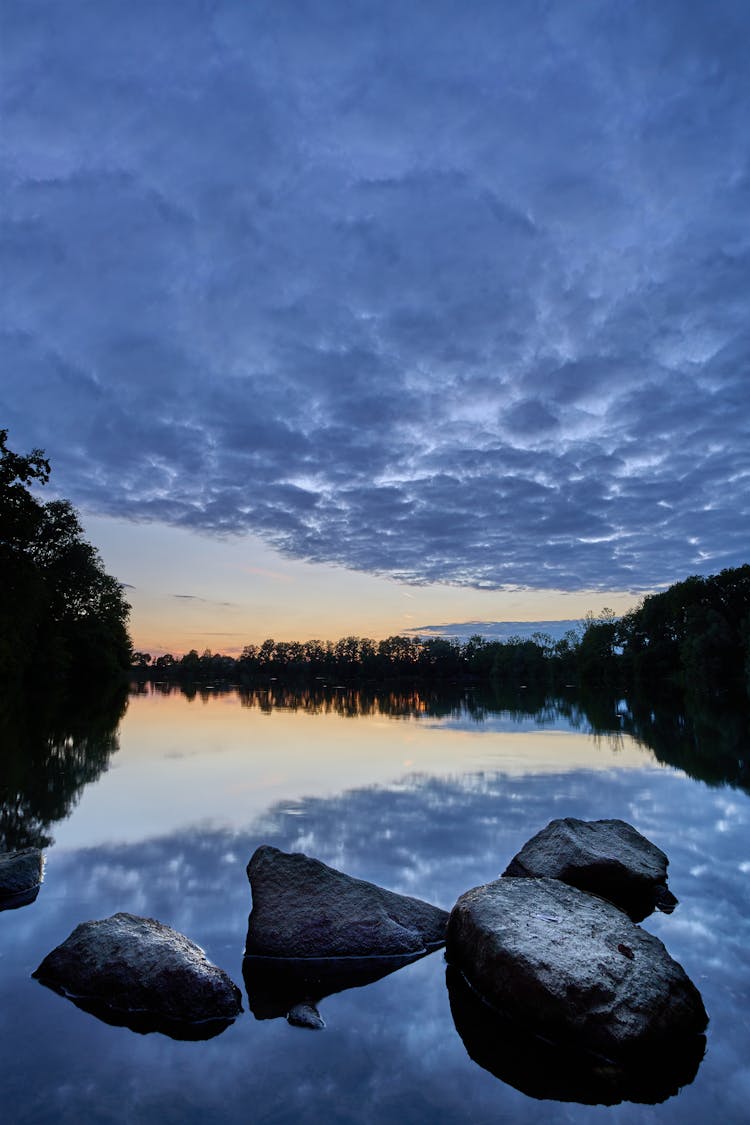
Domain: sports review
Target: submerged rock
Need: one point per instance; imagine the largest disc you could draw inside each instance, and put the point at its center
(609, 858)
(139, 972)
(303, 908)
(305, 1015)
(570, 967)
(20, 877)
(544, 1070)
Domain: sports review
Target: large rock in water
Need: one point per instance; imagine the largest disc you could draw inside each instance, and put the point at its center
(303, 908)
(127, 964)
(606, 857)
(20, 877)
(571, 967)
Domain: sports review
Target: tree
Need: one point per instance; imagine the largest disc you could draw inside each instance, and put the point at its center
(596, 657)
(60, 612)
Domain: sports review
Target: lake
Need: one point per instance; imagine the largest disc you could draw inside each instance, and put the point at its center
(159, 815)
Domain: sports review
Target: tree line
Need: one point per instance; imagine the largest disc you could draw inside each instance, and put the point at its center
(693, 636)
(356, 658)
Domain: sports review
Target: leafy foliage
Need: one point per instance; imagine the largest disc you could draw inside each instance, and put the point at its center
(694, 635)
(61, 614)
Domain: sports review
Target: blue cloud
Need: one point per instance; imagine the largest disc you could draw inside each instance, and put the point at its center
(444, 296)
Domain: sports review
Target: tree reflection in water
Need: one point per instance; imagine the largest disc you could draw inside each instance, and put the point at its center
(48, 754)
(710, 743)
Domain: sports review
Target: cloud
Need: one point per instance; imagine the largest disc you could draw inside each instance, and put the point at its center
(205, 601)
(496, 630)
(439, 297)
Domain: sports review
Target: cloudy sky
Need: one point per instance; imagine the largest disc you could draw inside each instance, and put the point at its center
(328, 305)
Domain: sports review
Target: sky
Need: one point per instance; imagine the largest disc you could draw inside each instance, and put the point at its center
(357, 316)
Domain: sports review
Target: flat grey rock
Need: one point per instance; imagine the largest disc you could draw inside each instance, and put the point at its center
(606, 857)
(130, 964)
(303, 908)
(571, 967)
(20, 874)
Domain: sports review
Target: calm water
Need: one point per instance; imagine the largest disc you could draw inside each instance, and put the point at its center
(161, 818)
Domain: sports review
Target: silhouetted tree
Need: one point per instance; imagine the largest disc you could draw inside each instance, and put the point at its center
(61, 614)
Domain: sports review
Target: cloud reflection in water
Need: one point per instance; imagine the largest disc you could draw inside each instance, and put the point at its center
(390, 1049)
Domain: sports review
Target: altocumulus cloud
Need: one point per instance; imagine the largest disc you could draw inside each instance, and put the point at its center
(441, 292)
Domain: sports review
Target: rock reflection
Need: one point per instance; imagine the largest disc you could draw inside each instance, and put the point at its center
(547, 1071)
(145, 1023)
(276, 986)
(23, 898)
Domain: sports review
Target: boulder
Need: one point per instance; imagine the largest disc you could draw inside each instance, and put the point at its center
(20, 877)
(126, 966)
(572, 968)
(606, 857)
(303, 908)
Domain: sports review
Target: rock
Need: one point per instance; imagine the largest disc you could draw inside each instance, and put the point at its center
(544, 1070)
(606, 857)
(276, 985)
(571, 967)
(305, 1015)
(140, 972)
(20, 877)
(302, 908)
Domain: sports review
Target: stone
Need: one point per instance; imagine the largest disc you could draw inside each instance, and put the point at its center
(303, 908)
(606, 857)
(305, 1015)
(130, 966)
(20, 877)
(571, 967)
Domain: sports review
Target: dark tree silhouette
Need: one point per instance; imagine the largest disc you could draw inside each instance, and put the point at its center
(61, 615)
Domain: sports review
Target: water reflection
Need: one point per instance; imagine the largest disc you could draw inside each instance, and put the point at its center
(711, 743)
(46, 760)
(548, 1071)
(275, 985)
(390, 1051)
(434, 838)
(145, 1023)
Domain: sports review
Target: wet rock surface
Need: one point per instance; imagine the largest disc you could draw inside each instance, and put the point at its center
(305, 1015)
(609, 858)
(303, 908)
(570, 967)
(544, 1070)
(140, 973)
(20, 877)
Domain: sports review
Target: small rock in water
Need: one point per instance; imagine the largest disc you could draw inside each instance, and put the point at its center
(305, 1015)
(591, 979)
(20, 877)
(609, 858)
(127, 964)
(303, 908)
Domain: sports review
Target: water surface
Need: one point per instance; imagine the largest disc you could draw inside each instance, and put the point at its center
(161, 818)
